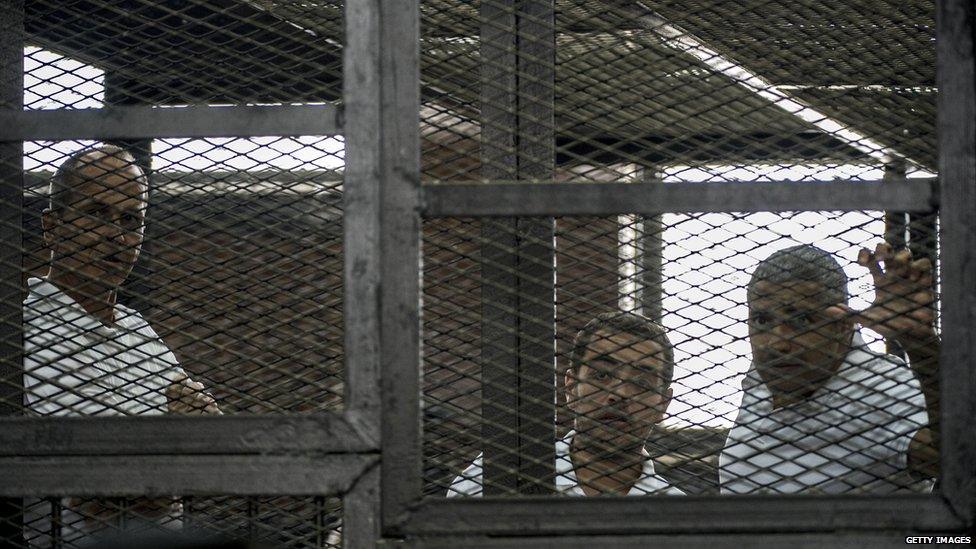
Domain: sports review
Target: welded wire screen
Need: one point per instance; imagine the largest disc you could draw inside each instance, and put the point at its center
(681, 352)
(706, 351)
(176, 522)
(235, 287)
(707, 89)
(172, 275)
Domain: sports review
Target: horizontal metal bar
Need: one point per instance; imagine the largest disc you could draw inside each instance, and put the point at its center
(143, 122)
(546, 199)
(692, 514)
(181, 475)
(690, 541)
(171, 434)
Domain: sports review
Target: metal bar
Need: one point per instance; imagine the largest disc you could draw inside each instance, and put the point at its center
(382, 93)
(505, 199)
(957, 170)
(400, 261)
(143, 122)
(758, 541)
(361, 512)
(691, 514)
(162, 475)
(895, 234)
(173, 434)
(499, 251)
(361, 212)
(11, 244)
(536, 61)
(138, 289)
(650, 246)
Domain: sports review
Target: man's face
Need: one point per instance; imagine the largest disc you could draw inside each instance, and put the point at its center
(98, 233)
(796, 345)
(618, 394)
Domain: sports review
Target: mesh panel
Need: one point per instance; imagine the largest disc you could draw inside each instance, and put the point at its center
(665, 92)
(814, 411)
(177, 522)
(743, 91)
(238, 283)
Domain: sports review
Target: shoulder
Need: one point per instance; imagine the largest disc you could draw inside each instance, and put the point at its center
(469, 482)
(878, 375)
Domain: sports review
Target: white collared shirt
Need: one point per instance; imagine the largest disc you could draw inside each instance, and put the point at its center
(75, 365)
(469, 482)
(850, 436)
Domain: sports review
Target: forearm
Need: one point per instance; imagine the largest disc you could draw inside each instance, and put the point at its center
(923, 452)
(925, 364)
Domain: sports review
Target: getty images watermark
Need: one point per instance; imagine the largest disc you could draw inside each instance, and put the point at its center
(938, 539)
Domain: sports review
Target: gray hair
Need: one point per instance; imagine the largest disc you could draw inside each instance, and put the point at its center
(629, 323)
(803, 263)
(67, 177)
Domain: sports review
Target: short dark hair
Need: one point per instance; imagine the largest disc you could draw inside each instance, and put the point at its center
(629, 323)
(803, 263)
(66, 177)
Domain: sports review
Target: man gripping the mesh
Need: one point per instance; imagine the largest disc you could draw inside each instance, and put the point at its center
(822, 413)
(618, 387)
(84, 353)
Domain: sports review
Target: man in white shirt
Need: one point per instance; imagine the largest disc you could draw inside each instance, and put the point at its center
(84, 353)
(618, 387)
(822, 413)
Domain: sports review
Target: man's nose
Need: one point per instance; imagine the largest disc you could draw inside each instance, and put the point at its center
(782, 338)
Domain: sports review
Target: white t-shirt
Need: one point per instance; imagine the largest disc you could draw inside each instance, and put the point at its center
(469, 482)
(76, 366)
(850, 436)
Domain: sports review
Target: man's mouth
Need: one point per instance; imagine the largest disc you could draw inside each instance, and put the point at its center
(612, 417)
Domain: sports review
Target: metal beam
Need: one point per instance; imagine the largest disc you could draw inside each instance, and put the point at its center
(536, 55)
(11, 245)
(144, 122)
(957, 170)
(173, 434)
(162, 475)
(361, 511)
(382, 236)
(691, 514)
(508, 199)
(499, 251)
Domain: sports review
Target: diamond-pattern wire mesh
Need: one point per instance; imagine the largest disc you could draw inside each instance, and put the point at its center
(862, 418)
(745, 91)
(189, 521)
(238, 285)
(241, 269)
(660, 92)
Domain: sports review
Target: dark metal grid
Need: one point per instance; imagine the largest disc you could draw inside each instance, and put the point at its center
(595, 273)
(654, 84)
(285, 522)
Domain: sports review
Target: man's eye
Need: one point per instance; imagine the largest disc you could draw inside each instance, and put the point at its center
(603, 375)
(130, 220)
(760, 320)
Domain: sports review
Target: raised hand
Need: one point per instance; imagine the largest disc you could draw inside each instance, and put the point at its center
(903, 307)
(188, 397)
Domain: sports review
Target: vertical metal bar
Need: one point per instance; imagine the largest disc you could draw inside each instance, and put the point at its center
(650, 250)
(11, 243)
(957, 176)
(361, 512)
(382, 230)
(361, 211)
(499, 314)
(895, 233)
(138, 288)
(536, 62)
